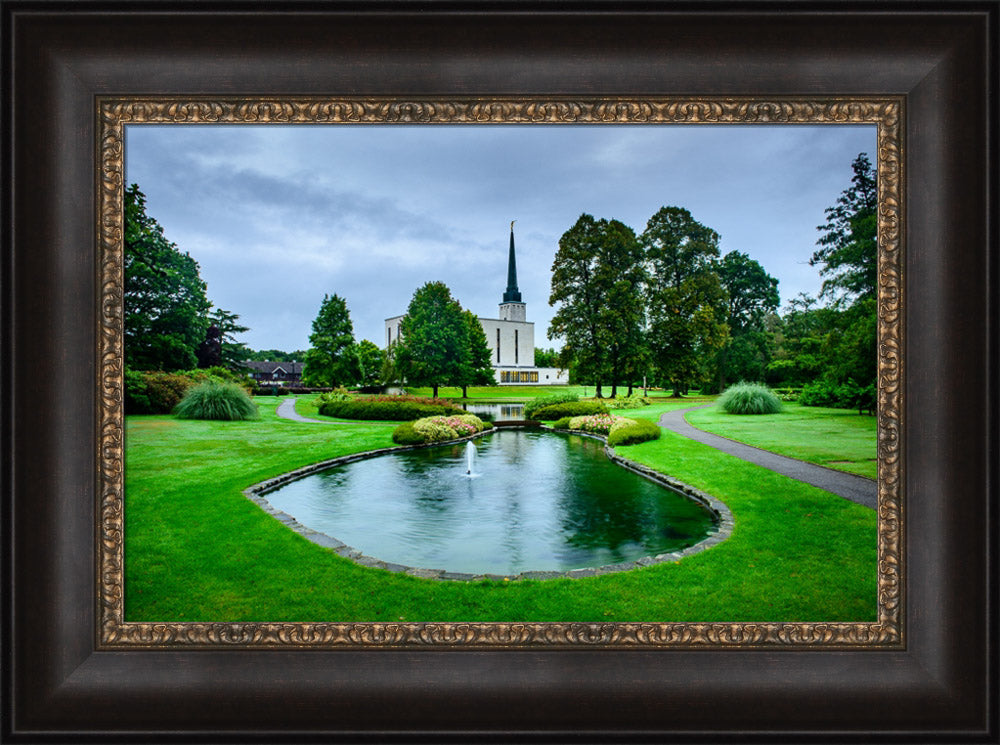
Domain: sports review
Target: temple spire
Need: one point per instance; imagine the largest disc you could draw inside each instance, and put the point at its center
(512, 295)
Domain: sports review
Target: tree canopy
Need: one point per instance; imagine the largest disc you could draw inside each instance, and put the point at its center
(433, 343)
(332, 358)
(476, 367)
(165, 299)
(848, 249)
(686, 300)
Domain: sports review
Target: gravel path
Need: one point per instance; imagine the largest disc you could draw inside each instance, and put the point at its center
(286, 410)
(855, 488)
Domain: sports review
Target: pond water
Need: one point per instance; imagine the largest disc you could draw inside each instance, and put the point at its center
(536, 500)
(500, 412)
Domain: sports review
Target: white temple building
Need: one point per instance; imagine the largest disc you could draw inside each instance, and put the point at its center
(511, 337)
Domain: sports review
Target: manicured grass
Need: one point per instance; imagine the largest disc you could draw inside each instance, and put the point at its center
(836, 438)
(197, 550)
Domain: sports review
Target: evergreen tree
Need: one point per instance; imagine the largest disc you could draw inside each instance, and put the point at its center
(332, 359)
(686, 302)
(433, 342)
(848, 253)
(164, 298)
(232, 353)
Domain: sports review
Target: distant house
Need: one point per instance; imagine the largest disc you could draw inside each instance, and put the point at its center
(286, 373)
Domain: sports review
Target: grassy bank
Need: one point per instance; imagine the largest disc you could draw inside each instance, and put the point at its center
(836, 438)
(196, 549)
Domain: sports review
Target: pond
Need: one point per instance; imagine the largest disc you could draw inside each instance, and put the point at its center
(536, 500)
(501, 412)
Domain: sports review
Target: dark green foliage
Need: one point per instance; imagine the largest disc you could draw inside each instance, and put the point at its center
(232, 353)
(404, 434)
(434, 339)
(750, 398)
(218, 401)
(154, 392)
(555, 398)
(276, 355)
(332, 359)
(546, 357)
(164, 298)
(753, 297)
(576, 408)
(562, 423)
(476, 367)
(848, 253)
(597, 280)
(631, 434)
(384, 410)
(686, 301)
(846, 395)
(370, 362)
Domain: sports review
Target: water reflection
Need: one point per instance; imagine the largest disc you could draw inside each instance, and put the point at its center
(542, 501)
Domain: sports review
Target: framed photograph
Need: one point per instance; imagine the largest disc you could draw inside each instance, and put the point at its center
(114, 628)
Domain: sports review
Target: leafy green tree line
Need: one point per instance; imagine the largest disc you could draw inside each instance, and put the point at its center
(666, 307)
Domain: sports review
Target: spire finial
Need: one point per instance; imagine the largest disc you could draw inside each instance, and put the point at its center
(512, 225)
(512, 294)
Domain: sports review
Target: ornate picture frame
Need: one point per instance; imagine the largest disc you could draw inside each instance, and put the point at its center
(73, 669)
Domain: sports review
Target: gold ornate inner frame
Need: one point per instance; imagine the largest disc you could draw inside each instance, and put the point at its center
(886, 113)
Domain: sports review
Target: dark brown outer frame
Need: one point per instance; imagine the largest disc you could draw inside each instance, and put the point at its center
(58, 59)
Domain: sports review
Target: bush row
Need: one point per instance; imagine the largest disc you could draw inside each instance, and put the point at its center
(847, 395)
(437, 429)
(159, 392)
(574, 408)
(397, 411)
(542, 401)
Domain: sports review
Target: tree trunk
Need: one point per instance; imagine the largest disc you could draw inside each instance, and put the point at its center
(614, 390)
(598, 392)
(629, 390)
(435, 389)
(465, 391)
(677, 389)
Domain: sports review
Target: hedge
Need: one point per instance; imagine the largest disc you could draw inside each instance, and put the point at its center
(542, 401)
(574, 408)
(636, 431)
(384, 410)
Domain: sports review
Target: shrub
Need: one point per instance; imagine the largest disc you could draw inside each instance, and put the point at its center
(574, 408)
(405, 434)
(635, 401)
(846, 395)
(214, 400)
(542, 401)
(154, 392)
(437, 429)
(750, 398)
(635, 431)
(398, 411)
(599, 424)
(337, 394)
(562, 423)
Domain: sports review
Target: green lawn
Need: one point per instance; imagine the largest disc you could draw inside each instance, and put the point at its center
(836, 438)
(197, 550)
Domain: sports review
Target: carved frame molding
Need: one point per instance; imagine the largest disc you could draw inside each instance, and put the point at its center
(114, 113)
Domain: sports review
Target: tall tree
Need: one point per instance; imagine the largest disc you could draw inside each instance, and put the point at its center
(580, 297)
(433, 339)
(370, 363)
(165, 299)
(232, 352)
(848, 249)
(686, 302)
(476, 367)
(621, 275)
(332, 358)
(753, 295)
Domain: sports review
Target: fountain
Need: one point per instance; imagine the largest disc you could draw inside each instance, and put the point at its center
(470, 458)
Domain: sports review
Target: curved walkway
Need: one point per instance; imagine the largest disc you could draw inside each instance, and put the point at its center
(286, 410)
(847, 485)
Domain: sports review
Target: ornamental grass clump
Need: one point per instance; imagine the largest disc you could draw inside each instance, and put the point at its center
(437, 429)
(215, 400)
(750, 398)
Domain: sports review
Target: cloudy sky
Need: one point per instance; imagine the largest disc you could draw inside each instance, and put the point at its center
(276, 216)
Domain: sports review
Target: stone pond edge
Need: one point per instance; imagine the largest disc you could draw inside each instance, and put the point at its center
(256, 492)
